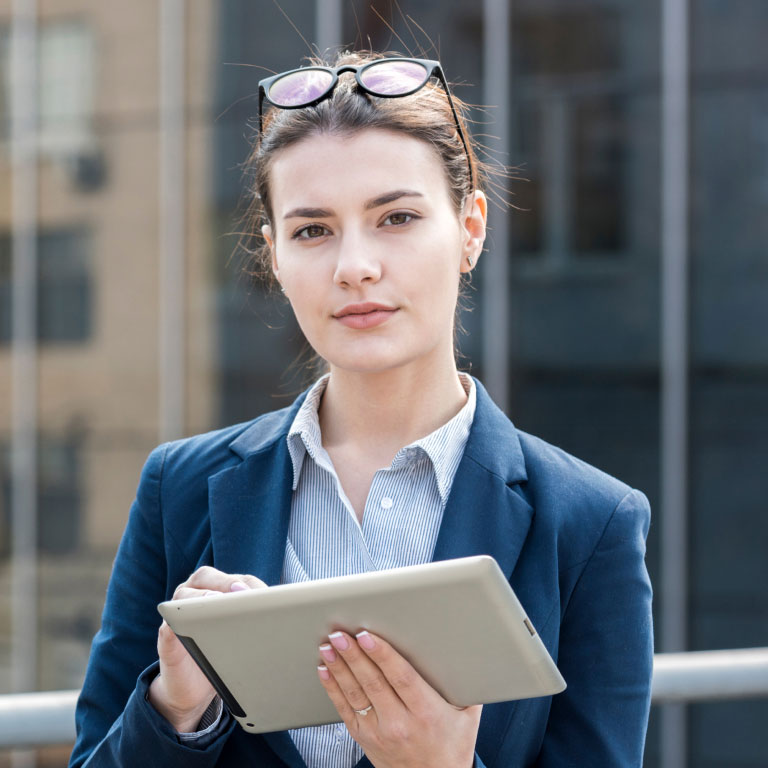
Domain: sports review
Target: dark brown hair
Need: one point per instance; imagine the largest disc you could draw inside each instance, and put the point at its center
(424, 115)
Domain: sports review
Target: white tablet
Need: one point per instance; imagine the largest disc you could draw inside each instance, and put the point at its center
(457, 621)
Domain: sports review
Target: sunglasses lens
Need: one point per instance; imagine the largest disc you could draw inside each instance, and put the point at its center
(394, 78)
(299, 88)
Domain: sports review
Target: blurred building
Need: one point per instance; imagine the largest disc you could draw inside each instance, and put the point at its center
(583, 301)
(98, 222)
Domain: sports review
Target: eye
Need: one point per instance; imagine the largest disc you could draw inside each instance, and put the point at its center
(399, 218)
(309, 232)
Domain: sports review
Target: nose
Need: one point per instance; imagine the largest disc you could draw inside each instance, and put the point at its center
(357, 262)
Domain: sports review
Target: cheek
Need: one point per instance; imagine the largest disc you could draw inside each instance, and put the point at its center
(442, 278)
(301, 277)
(307, 288)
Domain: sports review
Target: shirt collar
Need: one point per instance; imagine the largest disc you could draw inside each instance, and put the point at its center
(444, 447)
(304, 435)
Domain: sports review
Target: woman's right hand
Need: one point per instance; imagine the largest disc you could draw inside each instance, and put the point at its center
(181, 692)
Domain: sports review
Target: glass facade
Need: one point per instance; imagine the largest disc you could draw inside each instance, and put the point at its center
(583, 301)
(728, 604)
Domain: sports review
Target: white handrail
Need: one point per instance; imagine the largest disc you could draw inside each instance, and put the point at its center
(37, 719)
(41, 719)
(703, 675)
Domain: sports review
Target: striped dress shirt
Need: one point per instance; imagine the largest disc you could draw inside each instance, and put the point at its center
(400, 524)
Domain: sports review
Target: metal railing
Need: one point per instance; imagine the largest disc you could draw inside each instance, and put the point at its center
(43, 719)
(710, 675)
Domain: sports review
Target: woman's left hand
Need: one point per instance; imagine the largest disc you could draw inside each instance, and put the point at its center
(409, 723)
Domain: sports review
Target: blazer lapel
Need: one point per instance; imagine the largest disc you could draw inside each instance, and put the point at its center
(250, 503)
(250, 508)
(486, 513)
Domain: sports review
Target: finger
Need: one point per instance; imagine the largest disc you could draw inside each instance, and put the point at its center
(170, 651)
(350, 686)
(209, 578)
(181, 681)
(338, 699)
(169, 648)
(184, 593)
(250, 581)
(363, 674)
(411, 688)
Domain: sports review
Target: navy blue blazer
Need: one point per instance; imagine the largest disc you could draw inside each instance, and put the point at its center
(570, 538)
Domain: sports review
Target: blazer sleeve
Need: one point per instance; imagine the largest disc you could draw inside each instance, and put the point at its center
(116, 725)
(606, 652)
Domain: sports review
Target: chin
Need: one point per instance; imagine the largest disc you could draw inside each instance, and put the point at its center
(365, 366)
(369, 362)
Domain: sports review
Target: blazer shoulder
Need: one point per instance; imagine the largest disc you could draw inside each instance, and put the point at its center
(549, 465)
(576, 499)
(196, 458)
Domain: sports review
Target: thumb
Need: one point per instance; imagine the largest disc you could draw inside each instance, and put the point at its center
(169, 648)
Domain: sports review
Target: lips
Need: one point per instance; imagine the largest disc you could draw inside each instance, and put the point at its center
(365, 315)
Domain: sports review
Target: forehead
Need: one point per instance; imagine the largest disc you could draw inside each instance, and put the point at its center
(339, 170)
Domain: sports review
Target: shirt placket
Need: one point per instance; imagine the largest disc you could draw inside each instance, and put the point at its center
(385, 504)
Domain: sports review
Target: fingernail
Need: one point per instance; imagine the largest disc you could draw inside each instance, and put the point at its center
(324, 673)
(328, 653)
(339, 641)
(238, 586)
(365, 640)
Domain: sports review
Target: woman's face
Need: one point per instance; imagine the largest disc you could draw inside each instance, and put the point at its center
(369, 248)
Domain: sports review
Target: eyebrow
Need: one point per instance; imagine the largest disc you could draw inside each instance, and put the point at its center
(323, 213)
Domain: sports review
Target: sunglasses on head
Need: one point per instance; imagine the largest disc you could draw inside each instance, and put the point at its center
(386, 78)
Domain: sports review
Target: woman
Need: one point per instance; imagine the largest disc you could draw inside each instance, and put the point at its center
(371, 216)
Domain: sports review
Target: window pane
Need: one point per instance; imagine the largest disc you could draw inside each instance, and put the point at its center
(599, 170)
(66, 86)
(64, 285)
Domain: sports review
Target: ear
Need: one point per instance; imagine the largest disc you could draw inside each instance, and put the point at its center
(473, 221)
(266, 233)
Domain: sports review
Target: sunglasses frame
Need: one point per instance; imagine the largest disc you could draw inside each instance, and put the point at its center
(432, 68)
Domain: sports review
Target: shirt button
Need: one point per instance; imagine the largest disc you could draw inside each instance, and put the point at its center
(386, 503)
